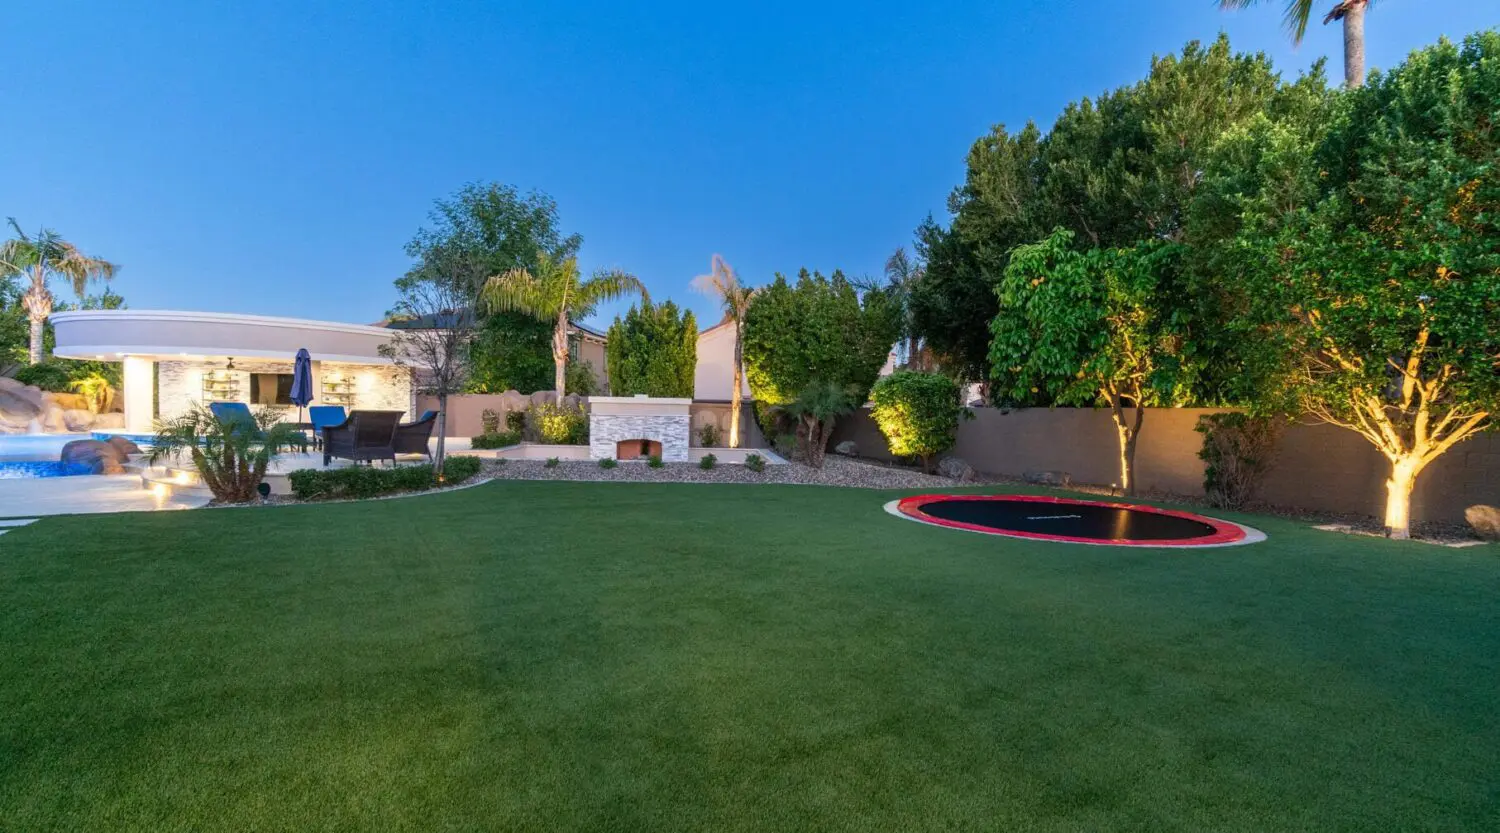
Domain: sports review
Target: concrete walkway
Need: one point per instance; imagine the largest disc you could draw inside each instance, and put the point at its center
(86, 494)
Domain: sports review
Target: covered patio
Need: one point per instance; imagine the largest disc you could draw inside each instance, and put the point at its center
(172, 360)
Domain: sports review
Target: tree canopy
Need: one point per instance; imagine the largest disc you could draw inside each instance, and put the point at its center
(653, 350)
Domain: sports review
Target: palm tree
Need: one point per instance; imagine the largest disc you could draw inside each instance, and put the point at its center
(1350, 12)
(552, 292)
(723, 284)
(902, 275)
(37, 258)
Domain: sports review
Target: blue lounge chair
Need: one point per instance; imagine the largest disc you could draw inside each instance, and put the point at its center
(235, 414)
(325, 416)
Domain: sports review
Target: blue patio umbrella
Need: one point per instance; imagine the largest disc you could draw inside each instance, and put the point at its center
(302, 392)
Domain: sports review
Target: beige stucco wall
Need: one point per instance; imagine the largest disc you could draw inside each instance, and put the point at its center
(1318, 467)
(593, 353)
(713, 378)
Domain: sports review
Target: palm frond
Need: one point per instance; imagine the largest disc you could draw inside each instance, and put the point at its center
(1295, 18)
(723, 283)
(517, 290)
(607, 285)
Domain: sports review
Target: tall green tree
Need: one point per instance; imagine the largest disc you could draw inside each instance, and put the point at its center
(1350, 13)
(1371, 260)
(37, 258)
(653, 350)
(510, 351)
(818, 336)
(1090, 327)
(723, 284)
(555, 291)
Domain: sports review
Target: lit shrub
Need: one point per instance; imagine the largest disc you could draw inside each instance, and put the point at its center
(558, 424)
(918, 413)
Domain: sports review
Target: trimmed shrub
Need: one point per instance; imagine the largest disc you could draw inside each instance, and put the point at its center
(918, 413)
(707, 462)
(1239, 449)
(49, 376)
(552, 463)
(515, 421)
(653, 350)
(755, 462)
(709, 436)
(368, 481)
(608, 463)
(655, 461)
(490, 421)
(496, 439)
(557, 424)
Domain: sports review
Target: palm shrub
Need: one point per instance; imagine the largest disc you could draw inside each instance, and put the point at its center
(231, 457)
(918, 413)
(815, 410)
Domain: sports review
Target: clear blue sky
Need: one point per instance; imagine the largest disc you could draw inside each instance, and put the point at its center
(273, 157)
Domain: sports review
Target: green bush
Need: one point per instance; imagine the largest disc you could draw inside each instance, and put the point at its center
(558, 424)
(653, 350)
(655, 461)
(755, 462)
(552, 463)
(49, 376)
(580, 379)
(608, 463)
(1238, 449)
(709, 436)
(918, 413)
(490, 421)
(515, 421)
(496, 439)
(707, 462)
(368, 481)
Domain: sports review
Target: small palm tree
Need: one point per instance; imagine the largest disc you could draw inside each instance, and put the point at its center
(902, 276)
(36, 258)
(724, 285)
(231, 455)
(552, 292)
(1350, 12)
(816, 409)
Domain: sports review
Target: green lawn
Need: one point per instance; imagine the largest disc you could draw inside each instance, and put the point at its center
(568, 656)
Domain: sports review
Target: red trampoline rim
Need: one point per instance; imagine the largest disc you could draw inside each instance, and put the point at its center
(1224, 531)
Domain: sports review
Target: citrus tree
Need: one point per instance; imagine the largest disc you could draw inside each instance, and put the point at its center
(1376, 292)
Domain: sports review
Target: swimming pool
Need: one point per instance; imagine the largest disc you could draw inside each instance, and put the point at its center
(24, 456)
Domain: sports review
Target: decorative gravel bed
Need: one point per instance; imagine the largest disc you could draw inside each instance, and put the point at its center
(836, 471)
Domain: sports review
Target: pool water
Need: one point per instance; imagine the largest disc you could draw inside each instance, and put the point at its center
(27, 469)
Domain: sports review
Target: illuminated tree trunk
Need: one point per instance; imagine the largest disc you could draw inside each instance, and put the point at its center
(38, 303)
(442, 432)
(734, 394)
(1128, 432)
(1404, 471)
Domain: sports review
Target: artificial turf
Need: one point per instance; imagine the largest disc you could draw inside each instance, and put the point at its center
(574, 656)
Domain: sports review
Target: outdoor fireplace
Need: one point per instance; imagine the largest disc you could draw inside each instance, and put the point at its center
(637, 427)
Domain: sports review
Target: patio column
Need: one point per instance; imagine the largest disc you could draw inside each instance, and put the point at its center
(138, 378)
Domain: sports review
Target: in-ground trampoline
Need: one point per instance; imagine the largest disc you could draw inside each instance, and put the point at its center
(1074, 521)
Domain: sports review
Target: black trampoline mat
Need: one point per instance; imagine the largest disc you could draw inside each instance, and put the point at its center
(1072, 520)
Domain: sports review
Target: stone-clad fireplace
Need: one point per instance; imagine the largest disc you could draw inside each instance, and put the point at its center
(632, 427)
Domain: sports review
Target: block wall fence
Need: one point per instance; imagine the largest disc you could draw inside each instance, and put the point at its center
(1318, 467)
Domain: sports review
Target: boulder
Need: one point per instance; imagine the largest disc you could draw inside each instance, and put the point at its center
(78, 419)
(1059, 479)
(1484, 520)
(114, 419)
(124, 446)
(20, 404)
(53, 419)
(70, 401)
(956, 468)
(848, 448)
(99, 456)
